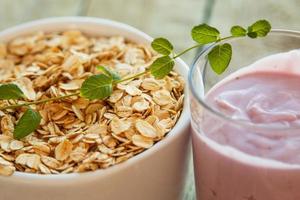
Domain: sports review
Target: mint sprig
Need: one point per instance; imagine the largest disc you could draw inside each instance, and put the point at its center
(27, 124)
(100, 86)
(162, 46)
(205, 34)
(238, 31)
(162, 66)
(108, 72)
(97, 87)
(259, 29)
(220, 55)
(10, 91)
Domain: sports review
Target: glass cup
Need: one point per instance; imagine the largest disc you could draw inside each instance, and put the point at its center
(223, 172)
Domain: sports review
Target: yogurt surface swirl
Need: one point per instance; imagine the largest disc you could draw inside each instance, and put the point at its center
(266, 92)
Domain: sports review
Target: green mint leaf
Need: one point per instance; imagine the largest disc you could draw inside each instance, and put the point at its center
(259, 29)
(238, 31)
(252, 35)
(204, 34)
(109, 72)
(219, 57)
(162, 67)
(27, 124)
(162, 46)
(97, 87)
(10, 91)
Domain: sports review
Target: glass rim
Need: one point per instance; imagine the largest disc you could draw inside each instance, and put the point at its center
(201, 101)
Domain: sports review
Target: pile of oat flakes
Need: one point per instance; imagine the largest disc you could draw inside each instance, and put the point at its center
(78, 135)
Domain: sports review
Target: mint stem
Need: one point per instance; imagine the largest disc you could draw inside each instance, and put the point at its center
(174, 56)
(65, 96)
(225, 38)
(131, 77)
(186, 50)
(38, 102)
(199, 45)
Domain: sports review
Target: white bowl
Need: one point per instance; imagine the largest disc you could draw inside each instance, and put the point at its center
(156, 174)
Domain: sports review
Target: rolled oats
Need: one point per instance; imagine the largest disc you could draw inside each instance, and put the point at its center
(26, 86)
(150, 84)
(75, 134)
(141, 106)
(124, 111)
(132, 90)
(30, 160)
(162, 97)
(6, 170)
(78, 154)
(3, 50)
(63, 150)
(44, 169)
(4, 162)
(116, 96)
(142, 141)
(50, 162)
(146, 129)
(16, 145)
(118, 126)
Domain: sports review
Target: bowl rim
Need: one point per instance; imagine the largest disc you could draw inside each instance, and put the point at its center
(172, 136)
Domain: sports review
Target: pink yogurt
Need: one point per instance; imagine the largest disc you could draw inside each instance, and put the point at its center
(257, 157)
